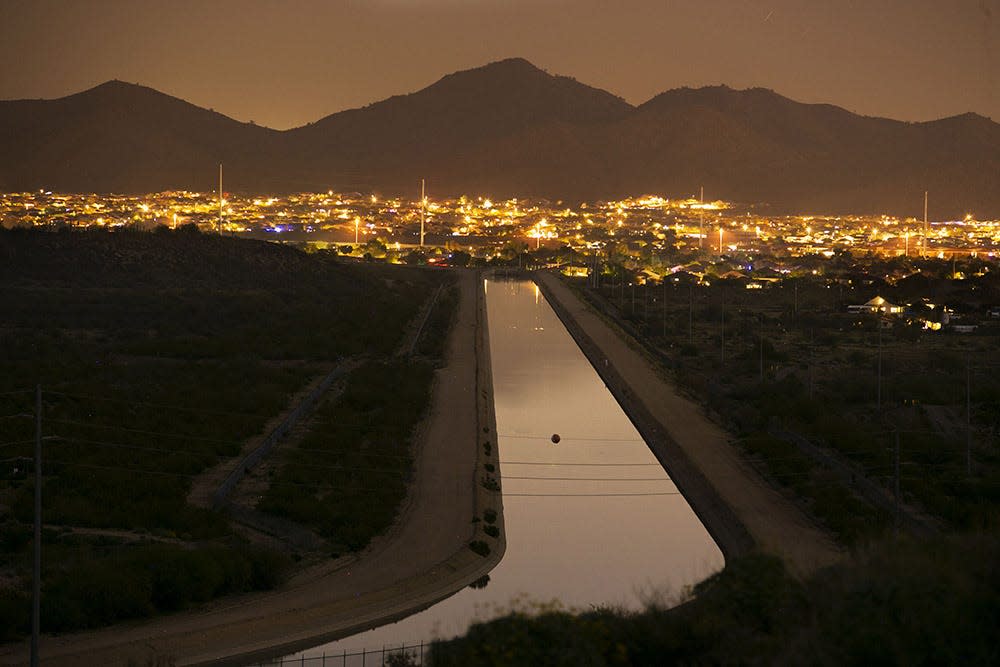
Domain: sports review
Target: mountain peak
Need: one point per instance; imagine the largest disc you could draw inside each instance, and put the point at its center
(117, 85)
(510, 71)
(716, 96)
(509, 127)
(514, 63)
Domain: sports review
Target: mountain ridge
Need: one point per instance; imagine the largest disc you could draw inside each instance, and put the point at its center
(509, 128)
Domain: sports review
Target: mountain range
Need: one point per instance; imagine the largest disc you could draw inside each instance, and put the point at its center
(511, 129)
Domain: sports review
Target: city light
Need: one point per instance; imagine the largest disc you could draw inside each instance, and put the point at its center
(653, 222)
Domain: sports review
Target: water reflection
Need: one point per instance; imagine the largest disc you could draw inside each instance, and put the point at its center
(590, 521)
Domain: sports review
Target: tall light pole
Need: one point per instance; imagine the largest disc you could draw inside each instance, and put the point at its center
(723, 327)
(664, 306)
(220, 198)
(423, 211)
(926, 228)
(690, 313)
(36, 583)
(357, 230)
(968, 416)
(701, 217)
(878, 390)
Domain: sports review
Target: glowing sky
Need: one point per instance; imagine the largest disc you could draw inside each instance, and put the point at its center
(283, 63)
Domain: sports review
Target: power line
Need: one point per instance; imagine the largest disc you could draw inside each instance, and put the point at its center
(11, 443)
(755, 458)
(386, 471)
(592, 479)
(153, 405)
(77, 464)
(142, 432)
(329, 451)
(569, 437)
(587, 495)
(120, 445)
(101, 443)
(16, 416)
(560, 463)
(74, 464)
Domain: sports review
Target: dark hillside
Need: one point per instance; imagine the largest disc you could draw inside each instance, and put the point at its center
(121, 137)
(161, 357)
(511, 129)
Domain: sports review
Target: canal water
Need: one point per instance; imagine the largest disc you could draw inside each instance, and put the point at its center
(592, 520)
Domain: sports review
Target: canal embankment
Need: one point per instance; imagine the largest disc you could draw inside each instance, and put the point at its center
(738, 508)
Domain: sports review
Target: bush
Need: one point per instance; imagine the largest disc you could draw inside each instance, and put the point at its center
(480, 547)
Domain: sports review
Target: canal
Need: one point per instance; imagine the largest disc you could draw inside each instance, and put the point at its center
(591, 520)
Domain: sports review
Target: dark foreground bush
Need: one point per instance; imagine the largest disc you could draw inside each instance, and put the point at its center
(142, 580)
(910, 603)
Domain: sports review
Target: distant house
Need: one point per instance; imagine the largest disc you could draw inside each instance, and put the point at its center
(576, 270)
(876, 305)
(683, 278)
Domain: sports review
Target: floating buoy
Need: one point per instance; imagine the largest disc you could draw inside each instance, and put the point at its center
(555, 438)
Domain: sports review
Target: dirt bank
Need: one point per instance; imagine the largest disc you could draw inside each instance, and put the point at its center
(739, 509)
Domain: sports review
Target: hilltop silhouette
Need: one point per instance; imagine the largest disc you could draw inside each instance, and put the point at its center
(511, 129)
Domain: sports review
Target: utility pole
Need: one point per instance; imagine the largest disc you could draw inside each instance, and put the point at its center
(878, 390)
(220, 199)
(723, 336)
(762, 348)
(664, 306)
(968, 416)
(621, 289)
(811, 364)
(36, 590)
(690, 313)
(895, 470)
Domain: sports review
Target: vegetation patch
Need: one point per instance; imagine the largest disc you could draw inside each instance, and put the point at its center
(159, 356)
(899, 603)
(790, 362)
(347, 476)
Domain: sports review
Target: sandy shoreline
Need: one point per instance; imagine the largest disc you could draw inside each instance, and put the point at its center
(741, 510)
(422, 559)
